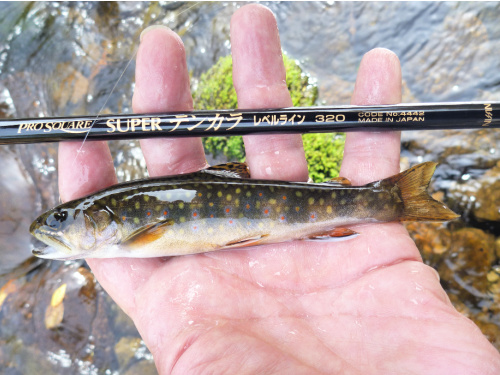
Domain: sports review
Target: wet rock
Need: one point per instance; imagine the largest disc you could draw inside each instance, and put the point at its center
(479, 197)
(125, 350)
(16, 214)
(432, 239)
(142, 368)
(487, 204)
(467, 263)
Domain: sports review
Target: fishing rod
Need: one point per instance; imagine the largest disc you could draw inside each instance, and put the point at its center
(377, 118)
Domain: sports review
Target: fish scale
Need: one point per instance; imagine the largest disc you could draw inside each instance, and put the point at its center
(221, 208)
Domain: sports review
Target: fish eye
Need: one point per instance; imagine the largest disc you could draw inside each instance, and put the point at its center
(56, 219)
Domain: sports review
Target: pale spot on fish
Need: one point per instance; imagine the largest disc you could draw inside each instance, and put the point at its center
(261, 225)
(210, 230)
(248, 194)
(182, 219)
(329, 209)
(298, 194)
(272, 201)
(228, 197)
(238, 190)
(334, 195)
(113, 201)
(136, 220)
(219, 194)
(181, 205)
(137, 205)
(310, 201)
(321, 201)
(146, 198)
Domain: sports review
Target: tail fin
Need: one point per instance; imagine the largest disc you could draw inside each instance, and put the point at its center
(418, 204)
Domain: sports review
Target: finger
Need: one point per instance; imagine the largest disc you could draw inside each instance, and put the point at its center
(162, 84)
(260, 81)
(372, 156)
(84, 169)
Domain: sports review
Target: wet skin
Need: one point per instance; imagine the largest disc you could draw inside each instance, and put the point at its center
(365, 306)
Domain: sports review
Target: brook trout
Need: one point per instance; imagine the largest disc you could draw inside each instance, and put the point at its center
(221, 208)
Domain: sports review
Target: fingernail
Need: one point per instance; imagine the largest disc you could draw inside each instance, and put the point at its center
(153, 27)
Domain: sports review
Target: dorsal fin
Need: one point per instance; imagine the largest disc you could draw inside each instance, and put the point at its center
(232, 169)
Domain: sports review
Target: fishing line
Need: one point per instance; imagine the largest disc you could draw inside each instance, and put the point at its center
(79, 151)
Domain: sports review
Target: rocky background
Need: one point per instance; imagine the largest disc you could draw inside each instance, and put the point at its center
(61, 59)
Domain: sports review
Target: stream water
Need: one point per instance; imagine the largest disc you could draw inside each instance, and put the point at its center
(61, 59)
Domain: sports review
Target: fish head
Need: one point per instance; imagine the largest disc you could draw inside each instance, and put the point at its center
(73, 233)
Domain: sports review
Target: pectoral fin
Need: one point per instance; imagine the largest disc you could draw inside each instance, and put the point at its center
(333, 235)
(147, 234)
(233, 170)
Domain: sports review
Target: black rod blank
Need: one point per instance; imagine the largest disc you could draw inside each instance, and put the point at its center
(378, 118)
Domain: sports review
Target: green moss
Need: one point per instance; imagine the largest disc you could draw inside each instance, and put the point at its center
(214, 90)
(324, 153)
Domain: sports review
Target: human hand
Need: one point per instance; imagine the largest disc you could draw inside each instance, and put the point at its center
(367, 305)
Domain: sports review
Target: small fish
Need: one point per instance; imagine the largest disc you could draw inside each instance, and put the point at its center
(221, 208)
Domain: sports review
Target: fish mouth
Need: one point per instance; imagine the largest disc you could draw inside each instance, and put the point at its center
(51, 253)
(57, 247)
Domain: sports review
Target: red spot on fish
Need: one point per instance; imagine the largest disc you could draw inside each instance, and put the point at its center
(266, 211)
(284, 197)
(247, 206)
(124, 218)
(212, 216)
(260, 194)
(165, 213)
(228, 210)
(230, 222)
(282, 218)
(195, 214)
(148, 213)
(313, 216)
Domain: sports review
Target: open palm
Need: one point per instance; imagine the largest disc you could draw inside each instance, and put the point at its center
(363, 306)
